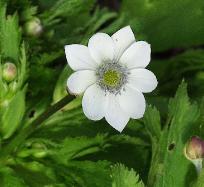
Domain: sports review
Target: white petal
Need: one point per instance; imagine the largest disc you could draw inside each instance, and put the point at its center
(132, 102)
(79, 58)
(101, 47)
(142, 80)
(80, 80)
(114, 115)
(123, 39)
(138, 55)
(94, 102)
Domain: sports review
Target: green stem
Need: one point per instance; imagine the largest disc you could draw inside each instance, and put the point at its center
(24, 133)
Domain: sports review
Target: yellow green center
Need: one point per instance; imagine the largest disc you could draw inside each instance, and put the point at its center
(111, 78)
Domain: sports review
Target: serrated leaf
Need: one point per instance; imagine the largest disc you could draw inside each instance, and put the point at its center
(13, 114)
(123, 177)
(36, 175)
(10, 36)
(152, 122)
(28, 12)
(126, 139)
(23, 68)
(68, 8)
(86, 173)
(170, 167)
(72, 148)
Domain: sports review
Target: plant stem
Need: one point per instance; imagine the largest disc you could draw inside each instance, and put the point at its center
(198, 164)
(25, 132)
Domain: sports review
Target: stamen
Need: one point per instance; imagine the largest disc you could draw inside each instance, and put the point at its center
(112, 77)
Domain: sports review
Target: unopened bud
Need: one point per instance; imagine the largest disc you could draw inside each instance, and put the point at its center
(194, 148)
(39, 154)
(9, 71)
(39, 150)
(194, 151)
(34, 27)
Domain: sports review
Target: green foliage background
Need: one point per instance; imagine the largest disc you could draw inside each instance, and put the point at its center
(70, 150)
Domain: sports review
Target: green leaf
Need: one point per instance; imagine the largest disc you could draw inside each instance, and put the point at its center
(72, 148)
(61, 85)
(123, 177)
(10, 37)
(170, 72)
(13, 114)
(28, 12)
(177, 25)
(201, 119)
(36, 175)
(8, 178)
(126, 139)
(152, 122)
(85, 173)
(169, 165)
(60, 90)
(22, 67)
(67, 8)
(3, 87)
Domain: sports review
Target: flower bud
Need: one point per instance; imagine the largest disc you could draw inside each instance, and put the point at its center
(34, 27)
(39, 154)
(195, 148)
(194, 151)
(9, 71)
(39, 150)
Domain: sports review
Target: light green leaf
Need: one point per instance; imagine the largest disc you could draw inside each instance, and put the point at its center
(10, 37)
(123, 177)
(13, 114)
(169, 165)
(152, 122)
(22, 67)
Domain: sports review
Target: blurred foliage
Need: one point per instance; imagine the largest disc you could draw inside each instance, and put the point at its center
(166, 24)
(70, 150)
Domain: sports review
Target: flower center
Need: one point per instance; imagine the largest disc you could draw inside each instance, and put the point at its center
(112, 77)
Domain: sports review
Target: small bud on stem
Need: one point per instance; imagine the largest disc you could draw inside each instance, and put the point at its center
(9, 71)
(194, 151)
(34, 27)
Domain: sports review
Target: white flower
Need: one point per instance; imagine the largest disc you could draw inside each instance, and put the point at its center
(111, 73)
